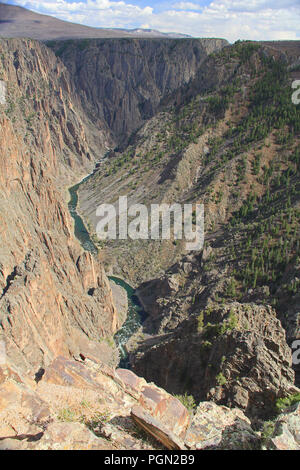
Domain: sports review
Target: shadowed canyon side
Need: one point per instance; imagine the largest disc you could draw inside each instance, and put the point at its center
(123, 81)
(45, 278)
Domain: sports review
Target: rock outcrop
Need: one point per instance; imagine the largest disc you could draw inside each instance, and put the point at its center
(237, 356)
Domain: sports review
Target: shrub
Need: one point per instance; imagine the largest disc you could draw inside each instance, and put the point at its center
(200, 319)
(187, 400)
(284, 403)
(66, 415)
(221, 380)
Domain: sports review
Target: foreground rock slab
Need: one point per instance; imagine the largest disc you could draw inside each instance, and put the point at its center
(86, 405)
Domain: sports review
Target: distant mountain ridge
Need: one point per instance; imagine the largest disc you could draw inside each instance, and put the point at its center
(19, 22)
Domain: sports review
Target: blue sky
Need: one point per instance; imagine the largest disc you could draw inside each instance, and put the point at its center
(231, 19)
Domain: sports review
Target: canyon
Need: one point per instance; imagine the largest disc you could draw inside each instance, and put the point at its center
(158, 115)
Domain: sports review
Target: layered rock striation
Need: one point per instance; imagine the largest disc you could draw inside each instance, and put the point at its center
(54, 298)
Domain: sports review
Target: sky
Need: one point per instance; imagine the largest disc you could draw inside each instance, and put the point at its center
(230, 19)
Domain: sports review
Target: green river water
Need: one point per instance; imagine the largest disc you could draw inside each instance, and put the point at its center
(135, 314)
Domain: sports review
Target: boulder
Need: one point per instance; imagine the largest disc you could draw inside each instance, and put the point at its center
(156, 429)
(161, 415)
(286, 435)
(218, 427)
(166, 409)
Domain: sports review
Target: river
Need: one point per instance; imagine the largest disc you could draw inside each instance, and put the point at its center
(135, 315)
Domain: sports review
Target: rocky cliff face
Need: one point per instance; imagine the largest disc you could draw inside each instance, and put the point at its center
(45, 278)
(123, 81)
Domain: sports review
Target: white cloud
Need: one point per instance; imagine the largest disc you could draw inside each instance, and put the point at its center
(186, 6)
(231, 19)
(252, 5)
